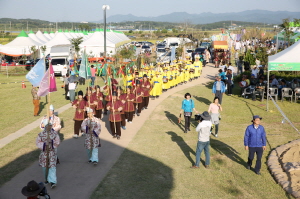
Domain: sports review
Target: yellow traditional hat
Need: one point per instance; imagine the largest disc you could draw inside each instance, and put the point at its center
(174, 60)
(157, 73)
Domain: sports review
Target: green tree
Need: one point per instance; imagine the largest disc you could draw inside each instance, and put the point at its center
(164, 31)
(76, 42)
(130, 31)
(249, 57)
(286, 27)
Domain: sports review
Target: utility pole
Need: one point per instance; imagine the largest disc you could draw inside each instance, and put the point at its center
(27, 26)
(10, 29)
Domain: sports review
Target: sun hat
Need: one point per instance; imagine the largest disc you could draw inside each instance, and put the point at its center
(205, 115)
(89, 110)
(32, 189)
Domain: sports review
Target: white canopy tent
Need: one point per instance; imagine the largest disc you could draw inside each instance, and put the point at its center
(41, 36)
(19, 46)
(95, 44)
(34, 37)
(59, 39)
(286, 60)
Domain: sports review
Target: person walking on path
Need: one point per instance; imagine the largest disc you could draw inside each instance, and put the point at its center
(47, 141)
(79, 104)
(146, 86)
(255, 142)
(92, 128)
(203, 130)
(115, 107)
(218, 89)
(36, 101)
(188, 106)
(98, 96)
(214, 109)
(129, 107)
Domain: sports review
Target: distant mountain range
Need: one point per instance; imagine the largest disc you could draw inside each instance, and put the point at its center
(260, 16)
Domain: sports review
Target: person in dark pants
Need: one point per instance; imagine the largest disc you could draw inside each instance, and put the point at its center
(66, 82)
(78, 104)
(218, 89)
(188, 107)
(229, 82)
(255, 142)
(115, 107)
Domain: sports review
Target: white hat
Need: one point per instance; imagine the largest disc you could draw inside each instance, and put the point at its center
(259, 66)
(51, 107)
(45, 122)
(89, 110)
(197, 56)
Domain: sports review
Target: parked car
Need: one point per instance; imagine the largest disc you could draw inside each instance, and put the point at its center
(160, 52)
(160, 45)
(165, 58)
(205, 45)
(146, 49)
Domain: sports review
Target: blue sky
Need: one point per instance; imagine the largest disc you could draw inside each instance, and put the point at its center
(91, 10)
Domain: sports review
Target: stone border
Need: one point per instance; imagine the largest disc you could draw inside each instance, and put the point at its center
(278, 169)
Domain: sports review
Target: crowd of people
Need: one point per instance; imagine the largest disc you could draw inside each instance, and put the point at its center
(121, 100)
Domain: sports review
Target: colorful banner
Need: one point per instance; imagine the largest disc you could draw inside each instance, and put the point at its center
(48, 83)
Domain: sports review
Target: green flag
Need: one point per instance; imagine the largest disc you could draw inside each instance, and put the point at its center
(85, 70)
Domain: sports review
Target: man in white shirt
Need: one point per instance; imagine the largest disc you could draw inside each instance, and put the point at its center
(203, 130)
(231, 68)
(254, 71)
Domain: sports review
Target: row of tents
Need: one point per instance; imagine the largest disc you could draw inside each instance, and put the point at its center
(92, 41)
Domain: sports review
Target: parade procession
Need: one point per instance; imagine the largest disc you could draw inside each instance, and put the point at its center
(124, 96)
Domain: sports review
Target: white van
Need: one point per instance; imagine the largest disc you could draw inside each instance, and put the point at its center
(60, 65)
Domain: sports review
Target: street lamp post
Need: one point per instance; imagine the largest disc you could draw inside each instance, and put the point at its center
(104, 8)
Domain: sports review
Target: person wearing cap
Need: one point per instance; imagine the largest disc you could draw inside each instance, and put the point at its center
(129, 106)
(115, 107)
(98, 96)
(47, 141)
(218, 89)
(188, 106)
(198, 66)
(157, 86)
(53, 119)
(33, 189)
(255, 71)
(255, 142)
(36, 101)
(203, 130)
(79, 105)
(92, 128)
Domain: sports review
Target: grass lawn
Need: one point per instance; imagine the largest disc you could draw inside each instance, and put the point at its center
(156, 162)
(16, 103)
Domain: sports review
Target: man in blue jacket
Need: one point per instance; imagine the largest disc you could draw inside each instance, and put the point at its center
(219, 88)
(255, 142)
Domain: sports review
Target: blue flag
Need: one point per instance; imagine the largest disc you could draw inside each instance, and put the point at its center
(173, 52)
(36, 74)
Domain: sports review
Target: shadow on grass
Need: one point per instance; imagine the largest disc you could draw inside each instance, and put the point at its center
(174, 119)
(224, 149)
(202, 99)
(247, 103)
(42, 106)
(185, 148)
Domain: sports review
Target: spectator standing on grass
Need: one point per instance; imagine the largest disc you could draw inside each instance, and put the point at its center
(188, 106)
(255, 142)
(203, 130)
(93, 74)
(66, 86)
(72, 87)
(214, 109)
(36, 101)
(240, 65)
(218, 89)
(229, 82)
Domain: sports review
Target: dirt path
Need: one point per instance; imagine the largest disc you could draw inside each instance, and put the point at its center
(78, 179)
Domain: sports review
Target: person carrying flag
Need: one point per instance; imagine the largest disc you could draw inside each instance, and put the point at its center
(115, 107)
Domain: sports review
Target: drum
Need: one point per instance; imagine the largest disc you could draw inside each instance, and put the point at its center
(192, 70)
(165, 80)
